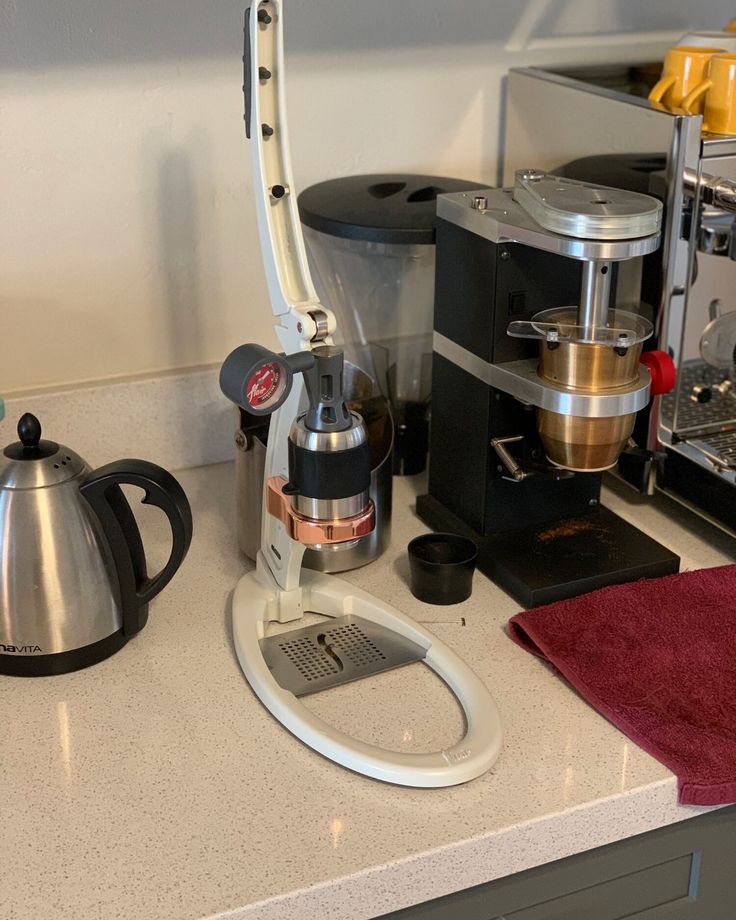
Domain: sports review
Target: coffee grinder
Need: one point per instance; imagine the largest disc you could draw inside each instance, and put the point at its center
(370, 245)
(537, 379)
(596, 125)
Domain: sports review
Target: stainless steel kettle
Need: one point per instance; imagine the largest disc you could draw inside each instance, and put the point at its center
(73, 582)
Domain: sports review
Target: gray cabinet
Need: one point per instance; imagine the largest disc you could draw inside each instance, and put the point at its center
(686, 871)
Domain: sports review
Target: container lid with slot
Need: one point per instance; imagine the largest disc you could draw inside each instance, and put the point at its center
(387, 208)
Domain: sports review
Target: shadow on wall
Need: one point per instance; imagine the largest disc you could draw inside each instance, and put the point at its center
(177, 188)
(35, 34)
(177, 218)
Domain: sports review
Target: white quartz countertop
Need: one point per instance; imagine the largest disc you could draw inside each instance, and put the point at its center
(155, 786)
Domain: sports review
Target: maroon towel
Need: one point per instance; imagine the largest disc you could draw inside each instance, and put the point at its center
(657, 658)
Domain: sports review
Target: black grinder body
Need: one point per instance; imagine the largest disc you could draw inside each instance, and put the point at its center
(545, 537)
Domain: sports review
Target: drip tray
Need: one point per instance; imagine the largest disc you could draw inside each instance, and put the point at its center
(335, 652)
(694, 418)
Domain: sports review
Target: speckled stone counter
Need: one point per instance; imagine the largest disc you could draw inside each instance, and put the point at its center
(154, 786)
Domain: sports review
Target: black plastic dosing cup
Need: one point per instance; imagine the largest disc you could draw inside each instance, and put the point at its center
(441, 567)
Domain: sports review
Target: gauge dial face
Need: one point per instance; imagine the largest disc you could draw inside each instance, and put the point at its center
(265, 386)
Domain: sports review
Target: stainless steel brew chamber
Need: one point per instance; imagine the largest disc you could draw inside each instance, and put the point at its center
(251, 438)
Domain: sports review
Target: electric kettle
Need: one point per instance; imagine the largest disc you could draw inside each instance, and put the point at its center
(73, 581)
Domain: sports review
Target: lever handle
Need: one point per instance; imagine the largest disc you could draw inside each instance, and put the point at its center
(282, 244)
(247, 87)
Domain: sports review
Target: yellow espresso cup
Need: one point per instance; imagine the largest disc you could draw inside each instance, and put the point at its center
(684, 69)
(718, 92)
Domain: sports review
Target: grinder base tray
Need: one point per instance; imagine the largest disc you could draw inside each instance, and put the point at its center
(560, 559)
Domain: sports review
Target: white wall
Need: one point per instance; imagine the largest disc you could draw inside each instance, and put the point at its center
(127, 234)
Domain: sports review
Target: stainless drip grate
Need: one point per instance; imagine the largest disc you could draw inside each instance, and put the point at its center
(335, 652)
(694, 418)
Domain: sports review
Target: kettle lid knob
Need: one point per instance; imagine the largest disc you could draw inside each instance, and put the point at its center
(29, 431)
(30, 446)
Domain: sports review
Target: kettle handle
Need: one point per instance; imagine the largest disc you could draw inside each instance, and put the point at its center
(101, 489)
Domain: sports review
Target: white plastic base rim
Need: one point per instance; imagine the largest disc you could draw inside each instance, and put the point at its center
(255, 603)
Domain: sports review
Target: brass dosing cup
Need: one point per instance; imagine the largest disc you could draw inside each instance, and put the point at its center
(574, 442)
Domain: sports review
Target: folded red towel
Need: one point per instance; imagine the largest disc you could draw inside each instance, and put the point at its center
(657, 658)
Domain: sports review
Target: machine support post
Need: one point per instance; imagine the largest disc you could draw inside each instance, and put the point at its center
(595, 295)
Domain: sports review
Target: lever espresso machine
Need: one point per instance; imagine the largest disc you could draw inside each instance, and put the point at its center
(538, 375)
(316, 490)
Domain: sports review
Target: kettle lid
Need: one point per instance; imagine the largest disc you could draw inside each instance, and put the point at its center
(33, 463)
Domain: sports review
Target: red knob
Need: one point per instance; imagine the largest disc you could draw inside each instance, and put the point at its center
(662, 370)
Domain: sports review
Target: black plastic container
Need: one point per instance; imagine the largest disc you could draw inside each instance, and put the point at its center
(441, 567)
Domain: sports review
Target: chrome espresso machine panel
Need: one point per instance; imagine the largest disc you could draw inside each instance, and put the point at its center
(595, 126)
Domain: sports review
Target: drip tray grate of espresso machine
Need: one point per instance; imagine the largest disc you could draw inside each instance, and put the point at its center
(706, 413)
(326, 655)
(704, 405)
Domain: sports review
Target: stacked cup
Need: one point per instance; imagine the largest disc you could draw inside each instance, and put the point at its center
(700, 81)
(715, 95)
(685, 70)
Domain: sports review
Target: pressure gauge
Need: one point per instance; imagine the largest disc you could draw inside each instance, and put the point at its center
(260, 380)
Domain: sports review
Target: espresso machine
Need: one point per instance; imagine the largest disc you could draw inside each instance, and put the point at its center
(598, 127)
(538, 376)
(317, 489)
